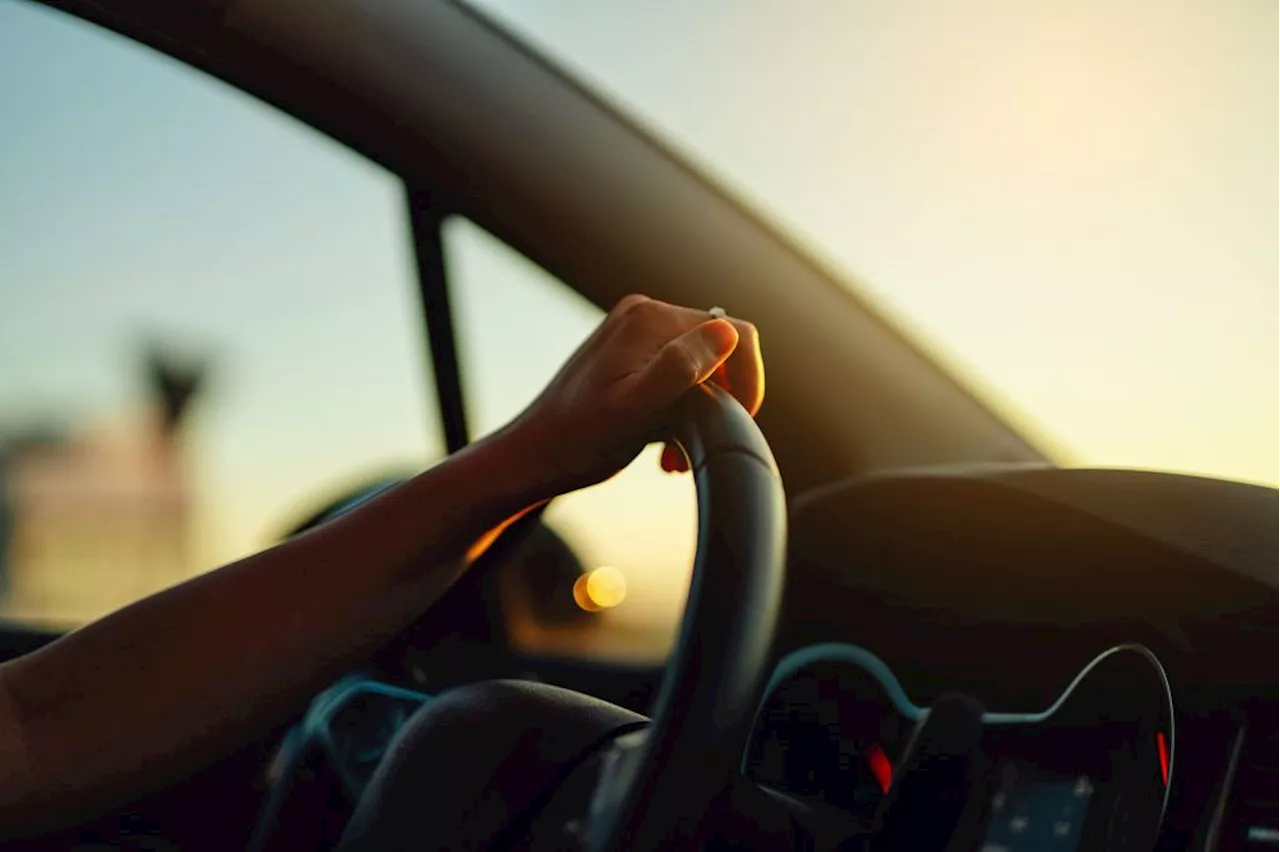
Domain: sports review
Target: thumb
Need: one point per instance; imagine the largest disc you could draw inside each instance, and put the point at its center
(688, 360)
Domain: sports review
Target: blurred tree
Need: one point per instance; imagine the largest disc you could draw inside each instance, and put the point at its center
(175, 380)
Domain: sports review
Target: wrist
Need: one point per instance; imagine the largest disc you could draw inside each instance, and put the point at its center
(519, 460)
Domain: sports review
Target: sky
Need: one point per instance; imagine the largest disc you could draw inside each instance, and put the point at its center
(1072, 205)
(139, 198)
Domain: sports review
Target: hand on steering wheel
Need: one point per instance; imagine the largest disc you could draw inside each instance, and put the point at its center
(461, 763)
(615, 393)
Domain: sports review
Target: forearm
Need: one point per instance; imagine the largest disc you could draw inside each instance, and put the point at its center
(147, 693)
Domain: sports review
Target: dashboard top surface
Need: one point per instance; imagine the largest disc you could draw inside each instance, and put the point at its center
(1005, 582)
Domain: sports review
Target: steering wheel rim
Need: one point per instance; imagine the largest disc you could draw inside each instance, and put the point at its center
(512, 746)
(658, 791)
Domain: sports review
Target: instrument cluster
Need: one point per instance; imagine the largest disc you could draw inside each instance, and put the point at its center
(1092, 771)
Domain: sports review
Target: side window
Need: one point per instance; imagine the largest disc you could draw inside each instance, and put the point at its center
(208, 320)
(633, 536)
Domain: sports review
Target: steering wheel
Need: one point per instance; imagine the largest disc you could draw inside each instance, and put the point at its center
(470, 768)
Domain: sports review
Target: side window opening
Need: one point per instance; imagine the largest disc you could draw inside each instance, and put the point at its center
(208, 320)
(633, 536)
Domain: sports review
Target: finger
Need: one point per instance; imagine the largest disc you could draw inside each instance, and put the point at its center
(673, 459)
(743, 374)
(684, 362)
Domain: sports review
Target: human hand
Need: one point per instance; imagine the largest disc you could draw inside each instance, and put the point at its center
(615, 393)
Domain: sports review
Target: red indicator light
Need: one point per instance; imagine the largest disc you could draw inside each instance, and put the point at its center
(1163, 748)
(881, 768)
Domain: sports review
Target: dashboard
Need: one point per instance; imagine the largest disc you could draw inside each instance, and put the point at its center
(1089, 772)
(1090, 655)
(1109, 638)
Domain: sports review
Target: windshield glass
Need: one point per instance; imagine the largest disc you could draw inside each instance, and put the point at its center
(1072, 205)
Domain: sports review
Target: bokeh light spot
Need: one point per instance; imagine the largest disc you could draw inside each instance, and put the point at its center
(603, 588)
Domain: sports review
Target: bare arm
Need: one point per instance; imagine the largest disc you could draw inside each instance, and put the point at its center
(147, 694)
(129, 702)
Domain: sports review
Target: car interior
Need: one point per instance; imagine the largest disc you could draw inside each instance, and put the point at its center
(907, 627)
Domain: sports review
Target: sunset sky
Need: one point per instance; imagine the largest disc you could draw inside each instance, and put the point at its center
(1073, 205)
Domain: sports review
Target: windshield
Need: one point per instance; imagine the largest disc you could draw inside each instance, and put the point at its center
(1071, 205)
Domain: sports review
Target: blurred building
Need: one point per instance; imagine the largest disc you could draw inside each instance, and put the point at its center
(93, 519)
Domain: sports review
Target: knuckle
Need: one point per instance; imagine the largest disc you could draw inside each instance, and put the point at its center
(643, 315)
(629, 303)
(647, 309)
(680, 361)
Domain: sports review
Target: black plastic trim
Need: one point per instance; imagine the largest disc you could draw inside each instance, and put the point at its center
(426, 218)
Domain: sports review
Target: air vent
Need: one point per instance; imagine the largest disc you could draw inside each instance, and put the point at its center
(1251, 818)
